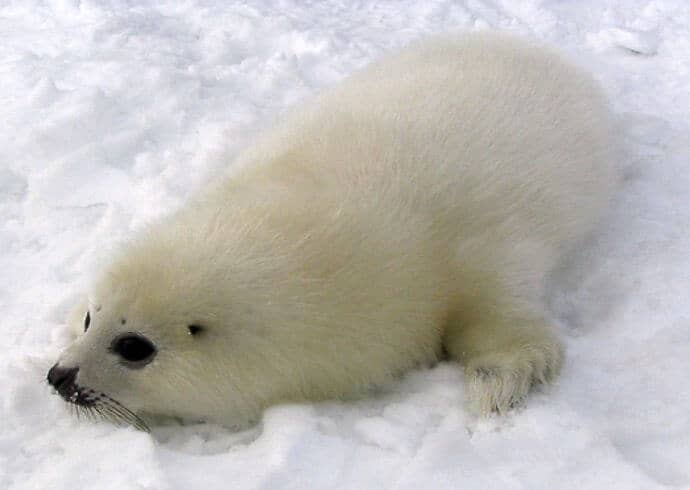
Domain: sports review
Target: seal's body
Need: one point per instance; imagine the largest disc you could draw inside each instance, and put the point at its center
(413, 209)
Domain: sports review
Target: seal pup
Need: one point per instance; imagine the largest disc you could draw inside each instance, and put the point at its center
(411, 211)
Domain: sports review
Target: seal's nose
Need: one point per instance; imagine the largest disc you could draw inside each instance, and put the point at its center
(60, 377)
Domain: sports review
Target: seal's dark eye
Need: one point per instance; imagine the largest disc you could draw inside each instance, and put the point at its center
(87, 321)
(134, 348)
(194, 329)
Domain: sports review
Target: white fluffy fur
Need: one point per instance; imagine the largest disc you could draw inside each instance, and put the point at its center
(413, 209)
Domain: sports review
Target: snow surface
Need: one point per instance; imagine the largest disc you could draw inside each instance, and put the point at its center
(113, 112)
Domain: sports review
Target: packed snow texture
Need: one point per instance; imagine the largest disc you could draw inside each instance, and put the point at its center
(113, 112)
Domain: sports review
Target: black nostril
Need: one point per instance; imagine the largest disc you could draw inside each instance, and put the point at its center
(59, 376)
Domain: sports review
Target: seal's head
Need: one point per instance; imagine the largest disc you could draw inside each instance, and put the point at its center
(168, 331)
(142, 348)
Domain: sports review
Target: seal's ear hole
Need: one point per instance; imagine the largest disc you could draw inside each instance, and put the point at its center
(87, 321)
(195, 329)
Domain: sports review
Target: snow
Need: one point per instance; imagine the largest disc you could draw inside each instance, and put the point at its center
(114, 111)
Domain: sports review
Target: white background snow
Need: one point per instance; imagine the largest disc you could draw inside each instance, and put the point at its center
(112, 112)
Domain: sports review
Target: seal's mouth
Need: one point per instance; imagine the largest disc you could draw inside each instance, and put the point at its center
(91, 403)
